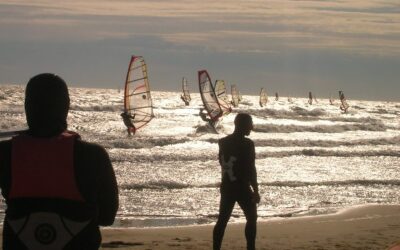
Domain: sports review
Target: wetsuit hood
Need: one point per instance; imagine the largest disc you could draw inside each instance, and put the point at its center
(243, 124)
(46, 105)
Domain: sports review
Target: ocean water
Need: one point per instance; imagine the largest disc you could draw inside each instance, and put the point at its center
(311, 159)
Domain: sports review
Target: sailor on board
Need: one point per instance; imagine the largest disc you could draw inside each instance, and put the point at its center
(185, 100)
(203, 115)
(344, 106)
(127, 118)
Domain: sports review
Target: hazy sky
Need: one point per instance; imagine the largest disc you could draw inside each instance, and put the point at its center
(285, 46)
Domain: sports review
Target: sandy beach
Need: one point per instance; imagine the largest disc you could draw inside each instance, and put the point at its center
(360, 227)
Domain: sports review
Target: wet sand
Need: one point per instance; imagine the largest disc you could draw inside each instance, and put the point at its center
(361, 227)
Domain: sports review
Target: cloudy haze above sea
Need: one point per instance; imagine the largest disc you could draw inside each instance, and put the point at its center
(290, 47)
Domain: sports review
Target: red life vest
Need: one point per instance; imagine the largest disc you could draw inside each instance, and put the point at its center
(44, 167)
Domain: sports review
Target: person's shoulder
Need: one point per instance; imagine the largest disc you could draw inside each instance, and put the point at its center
(224, 139)
(249, 141)
(90, 148)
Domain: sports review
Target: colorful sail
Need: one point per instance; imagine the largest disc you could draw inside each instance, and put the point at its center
(208, 96)
(220, 91)
(344, 106)
(185, 95)
(137, 99)
(235, 96)
(263, 97)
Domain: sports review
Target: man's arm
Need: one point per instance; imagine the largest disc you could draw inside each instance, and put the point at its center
(107, 193)
(253, 173)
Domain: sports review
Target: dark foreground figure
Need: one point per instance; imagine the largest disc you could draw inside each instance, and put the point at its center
(58, 188)
(239, 180)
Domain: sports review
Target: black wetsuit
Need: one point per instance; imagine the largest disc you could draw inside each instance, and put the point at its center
(96, 183)
(237, 160)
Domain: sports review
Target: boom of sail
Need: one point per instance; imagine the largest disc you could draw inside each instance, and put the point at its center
(137, 98)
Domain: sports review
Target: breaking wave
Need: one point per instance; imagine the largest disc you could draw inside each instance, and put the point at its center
(139, 157)
(295, 113)
(177, 185)
(272, 128)
(329, 153)
(97, 108)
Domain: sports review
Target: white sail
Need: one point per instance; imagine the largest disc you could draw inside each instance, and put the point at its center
(208, 96)
(220, 91)
(235, 95)
(263, 97)
(137, 98)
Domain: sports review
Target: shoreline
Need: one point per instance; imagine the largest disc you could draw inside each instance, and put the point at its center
(358, 227)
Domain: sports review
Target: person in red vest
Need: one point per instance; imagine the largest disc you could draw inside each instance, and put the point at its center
(58, 188)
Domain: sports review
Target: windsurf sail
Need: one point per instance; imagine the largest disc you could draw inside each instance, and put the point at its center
(185, 89)
(263, 97)
(220, 91)
(208, 96)
(331, 100)
(310, 98)
(276, 96)
(138, 106)
(344, 106)
(235, 96)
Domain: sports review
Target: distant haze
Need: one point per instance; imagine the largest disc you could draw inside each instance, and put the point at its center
(286, 46)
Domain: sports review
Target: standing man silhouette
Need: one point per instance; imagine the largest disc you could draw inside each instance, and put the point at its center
(239, 180)
(58, 188)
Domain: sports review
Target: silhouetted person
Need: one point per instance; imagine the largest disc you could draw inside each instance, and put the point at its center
(128, 122)
(239, 180)
(185, 100)
(203, 115)
(58, 188)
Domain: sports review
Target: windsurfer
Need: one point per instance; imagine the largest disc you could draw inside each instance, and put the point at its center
(203, 115)
(239, 180)
(344, 106)
(185, 100)
(127, 118)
